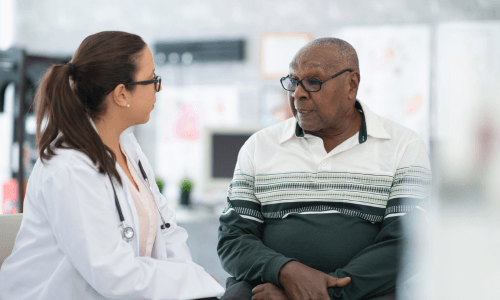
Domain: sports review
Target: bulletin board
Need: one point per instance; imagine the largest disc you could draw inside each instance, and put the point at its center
(276, 50)
(274, 105)
(395, 72)
(182, 114)
(468, 70)
(467, 102)
(8, 193)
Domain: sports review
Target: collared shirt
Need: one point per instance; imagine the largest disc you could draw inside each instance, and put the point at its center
(339, 212)
(281, 170)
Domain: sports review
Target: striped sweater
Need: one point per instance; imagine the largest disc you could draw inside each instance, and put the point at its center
(339, 212)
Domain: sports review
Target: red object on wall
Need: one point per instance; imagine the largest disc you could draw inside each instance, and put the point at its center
(9, 197)
(187, 125)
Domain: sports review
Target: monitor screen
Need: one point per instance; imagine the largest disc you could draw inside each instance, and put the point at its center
(225, 149)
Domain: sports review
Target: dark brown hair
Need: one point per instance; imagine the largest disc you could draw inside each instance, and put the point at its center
(103, 61)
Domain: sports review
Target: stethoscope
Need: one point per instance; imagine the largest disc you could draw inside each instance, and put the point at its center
(127, 231)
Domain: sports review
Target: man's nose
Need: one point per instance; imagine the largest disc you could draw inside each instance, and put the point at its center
(300, 93)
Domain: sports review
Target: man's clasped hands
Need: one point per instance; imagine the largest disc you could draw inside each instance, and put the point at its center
(299, 282)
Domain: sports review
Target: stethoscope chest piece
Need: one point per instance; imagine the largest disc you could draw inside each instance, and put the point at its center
(127, 233)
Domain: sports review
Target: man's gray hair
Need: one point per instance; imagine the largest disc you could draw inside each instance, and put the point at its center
(343, 49)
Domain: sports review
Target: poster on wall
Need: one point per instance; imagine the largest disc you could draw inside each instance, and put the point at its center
(274, 105)
(276, 50)
(468, 69)
(468, 129)
(8, 193)
(468, 89)
(181, 115)
(395, 72)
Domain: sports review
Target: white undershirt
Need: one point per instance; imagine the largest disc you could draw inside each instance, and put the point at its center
(146, 210)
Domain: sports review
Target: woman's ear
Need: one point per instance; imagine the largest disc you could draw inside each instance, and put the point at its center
(121, 96)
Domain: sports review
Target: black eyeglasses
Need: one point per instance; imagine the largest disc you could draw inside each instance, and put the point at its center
(156, 81)
(309, 84)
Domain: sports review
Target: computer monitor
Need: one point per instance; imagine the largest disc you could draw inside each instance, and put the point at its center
(222, 146)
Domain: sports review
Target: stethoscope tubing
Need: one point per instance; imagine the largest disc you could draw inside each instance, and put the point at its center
(118, 207)
(164, 225)
(128, 232)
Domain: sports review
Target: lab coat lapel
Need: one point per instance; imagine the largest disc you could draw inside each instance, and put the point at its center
(131, 151)
(131, 213)
(126, 146)
(131, 147)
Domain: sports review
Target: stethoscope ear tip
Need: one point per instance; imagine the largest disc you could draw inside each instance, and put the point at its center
(166, 225)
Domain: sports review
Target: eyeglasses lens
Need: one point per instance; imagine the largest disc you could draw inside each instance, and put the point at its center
(311, 84)
(158, 83)
(289, 84)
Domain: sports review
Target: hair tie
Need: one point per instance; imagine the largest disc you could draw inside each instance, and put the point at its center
(72, 72)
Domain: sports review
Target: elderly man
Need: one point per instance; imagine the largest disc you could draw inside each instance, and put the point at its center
(316, 205)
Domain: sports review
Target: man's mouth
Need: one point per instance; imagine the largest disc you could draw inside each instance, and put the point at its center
(304, 111)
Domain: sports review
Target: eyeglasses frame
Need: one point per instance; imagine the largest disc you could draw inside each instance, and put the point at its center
(156, 80)
(320, 81)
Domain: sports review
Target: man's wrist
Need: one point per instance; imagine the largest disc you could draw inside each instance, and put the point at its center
(273, 268)
(283, 272)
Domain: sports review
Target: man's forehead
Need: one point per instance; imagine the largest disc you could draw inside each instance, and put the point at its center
(313, 59)
(309, 65)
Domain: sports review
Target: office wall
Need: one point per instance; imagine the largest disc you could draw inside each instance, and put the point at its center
(464, 242)
(58, 27)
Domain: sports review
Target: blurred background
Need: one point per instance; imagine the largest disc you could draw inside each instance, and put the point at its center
(431, 65)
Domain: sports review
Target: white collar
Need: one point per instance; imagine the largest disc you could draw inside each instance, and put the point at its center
(371, 126)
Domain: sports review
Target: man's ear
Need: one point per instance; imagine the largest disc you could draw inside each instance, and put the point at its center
(354, 79)
(120, 96)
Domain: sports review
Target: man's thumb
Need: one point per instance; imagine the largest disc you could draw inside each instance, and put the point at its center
(339, 282)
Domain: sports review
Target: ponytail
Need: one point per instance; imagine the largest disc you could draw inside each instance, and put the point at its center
(67, 123)
(71, 94)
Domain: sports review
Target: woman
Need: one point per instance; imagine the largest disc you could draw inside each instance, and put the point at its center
(91, 228)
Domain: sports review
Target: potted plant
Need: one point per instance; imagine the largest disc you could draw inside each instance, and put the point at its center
(160, 183)
(186, 186)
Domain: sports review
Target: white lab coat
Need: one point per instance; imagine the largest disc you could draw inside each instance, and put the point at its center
(70, 247)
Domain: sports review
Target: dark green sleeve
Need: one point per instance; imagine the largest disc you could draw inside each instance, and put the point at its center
(242, 253)
(374, 270)
(241, 250)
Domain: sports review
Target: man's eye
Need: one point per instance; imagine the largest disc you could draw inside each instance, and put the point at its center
(312, 81)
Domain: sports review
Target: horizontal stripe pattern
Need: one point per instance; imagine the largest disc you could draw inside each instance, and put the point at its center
(329, 177)
(411, 187)
(399, 209)
(337, 193)
(370, 197)
(414, 182)
(363, 189)
(243, 211)
(242, 187)
(323, 208)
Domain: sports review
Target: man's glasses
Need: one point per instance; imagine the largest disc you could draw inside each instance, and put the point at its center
(156, 81)
(309, 84)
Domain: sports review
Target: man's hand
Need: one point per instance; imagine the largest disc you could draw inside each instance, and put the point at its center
(268, 291)
(303, 283)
